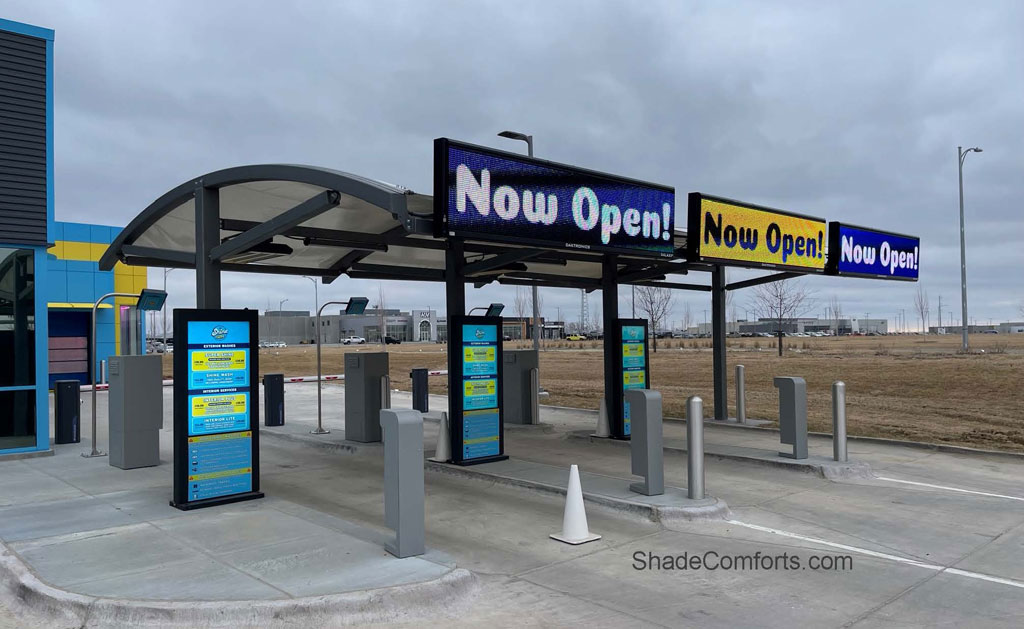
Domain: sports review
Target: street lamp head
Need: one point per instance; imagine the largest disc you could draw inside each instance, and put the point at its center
(976, 149)
(513, 135)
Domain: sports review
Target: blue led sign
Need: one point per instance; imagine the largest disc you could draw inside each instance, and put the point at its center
(862, 252)
(492, 195)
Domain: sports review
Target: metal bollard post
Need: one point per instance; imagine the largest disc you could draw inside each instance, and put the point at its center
(839, 421)
(385, 392)
(535, 395)
(695, 448)
(741, 397)
(647, 457)
(403, 481)
(103, 372)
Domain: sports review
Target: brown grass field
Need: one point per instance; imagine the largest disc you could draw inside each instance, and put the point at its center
(901, 387)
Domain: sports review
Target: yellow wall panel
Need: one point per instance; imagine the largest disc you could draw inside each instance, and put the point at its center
(123, 283)
(57, 249)
(97, 250)
(77, 251)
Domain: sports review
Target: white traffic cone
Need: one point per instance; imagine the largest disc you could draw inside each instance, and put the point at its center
(443, 451)
(574, 521)
(604, 428)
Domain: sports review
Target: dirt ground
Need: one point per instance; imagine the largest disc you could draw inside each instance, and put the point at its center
(902, 387)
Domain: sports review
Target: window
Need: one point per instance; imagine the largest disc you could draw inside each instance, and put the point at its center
(17, 348)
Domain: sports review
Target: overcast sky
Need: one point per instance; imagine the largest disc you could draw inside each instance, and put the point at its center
(849, 112)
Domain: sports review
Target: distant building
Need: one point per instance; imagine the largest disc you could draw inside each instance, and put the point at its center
(800, 325)
(1010, 327)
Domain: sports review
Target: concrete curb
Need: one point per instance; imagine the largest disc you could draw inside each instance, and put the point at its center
(820, 466)
(707, 509)
(346, 447)
(27, 455)
(22, 591)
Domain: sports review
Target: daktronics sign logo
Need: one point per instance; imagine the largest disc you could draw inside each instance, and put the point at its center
(485, 194)
(863, 252)
(741, 234)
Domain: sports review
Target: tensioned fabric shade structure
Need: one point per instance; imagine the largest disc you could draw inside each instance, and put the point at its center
(307, 220)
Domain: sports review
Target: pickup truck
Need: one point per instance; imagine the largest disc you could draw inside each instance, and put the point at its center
(354, 340)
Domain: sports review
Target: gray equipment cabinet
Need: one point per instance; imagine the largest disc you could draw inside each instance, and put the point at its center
(363, 392)
(136, 410)
(518, 395)
(793, 415)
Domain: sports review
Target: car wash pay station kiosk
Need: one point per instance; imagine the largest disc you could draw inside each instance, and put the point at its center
(216, 409)
(477, 424)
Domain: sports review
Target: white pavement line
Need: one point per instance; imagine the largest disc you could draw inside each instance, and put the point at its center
(878, 555)
(957, 489)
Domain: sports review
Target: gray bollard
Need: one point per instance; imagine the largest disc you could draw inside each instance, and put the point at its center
(420, 389)
(403, 480)
(793, 415)
(695, 448)
(741, 396)
(839, 421)
(646, 441)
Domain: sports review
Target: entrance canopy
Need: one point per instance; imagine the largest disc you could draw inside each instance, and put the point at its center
(306, 220)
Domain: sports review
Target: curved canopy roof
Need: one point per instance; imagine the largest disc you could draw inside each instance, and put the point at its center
(307, 220)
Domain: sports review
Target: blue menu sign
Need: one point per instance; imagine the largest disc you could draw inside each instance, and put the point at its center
(476, 390)
(216, 453)
(634, 365)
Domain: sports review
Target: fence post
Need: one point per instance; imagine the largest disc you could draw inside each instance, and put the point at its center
(741, 396)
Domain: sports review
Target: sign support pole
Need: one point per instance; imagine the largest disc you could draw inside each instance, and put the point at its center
(718, 325)
(455, 306)
(610, 307)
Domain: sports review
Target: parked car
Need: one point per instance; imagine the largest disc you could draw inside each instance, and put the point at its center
(390, 340)
(576, 337)
(354, 340)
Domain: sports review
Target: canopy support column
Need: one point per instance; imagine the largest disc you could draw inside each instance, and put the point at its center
(207, 202)
(718, 342)
(455, 305)
(610, 312)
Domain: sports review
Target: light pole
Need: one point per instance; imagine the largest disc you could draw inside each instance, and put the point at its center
(961, 156)
(166, 271)
(515, 135)
(356, 306)
(316, 304)
(279, 305)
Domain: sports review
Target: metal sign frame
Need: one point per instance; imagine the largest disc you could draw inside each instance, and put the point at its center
(182, 462)
(456, 390)
(835, 252)
(617, 405)
(441, 208)
(695, 225)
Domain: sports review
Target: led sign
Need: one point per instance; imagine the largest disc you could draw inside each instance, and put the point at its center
(484, 194)
(862, 252)
(741, 234)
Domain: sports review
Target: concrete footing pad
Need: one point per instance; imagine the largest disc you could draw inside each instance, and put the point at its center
(21, 590)
(607, 491)
(821, 466)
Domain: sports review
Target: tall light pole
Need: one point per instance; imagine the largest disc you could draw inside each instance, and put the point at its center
(316, 304)
(515, 135)
(961, 156)
(279, 304)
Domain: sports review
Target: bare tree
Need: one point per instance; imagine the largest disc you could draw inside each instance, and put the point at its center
(687, 317)
(780, 302)
(656, 303)
(837, 311)
(522, 306)
(921, 306)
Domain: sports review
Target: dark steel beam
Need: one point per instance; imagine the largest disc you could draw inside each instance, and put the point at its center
(310, 208)
(344, 263)
(500, 261)
(154, 253)
(399, 272)
(718, 331)
(207, 224)
(658, 271)
(677, 286)
(765, 279)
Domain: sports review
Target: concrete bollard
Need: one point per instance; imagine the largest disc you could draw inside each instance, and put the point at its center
(839, 421)
(403, 481)
(741, 395)
(695, 448)
(793, 415)
(647, 457)
(420, 389)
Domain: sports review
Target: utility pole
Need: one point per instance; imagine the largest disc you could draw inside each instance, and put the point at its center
(961, 156)
(940, 311)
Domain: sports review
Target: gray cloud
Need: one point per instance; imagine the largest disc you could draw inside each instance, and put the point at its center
(850, 111)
